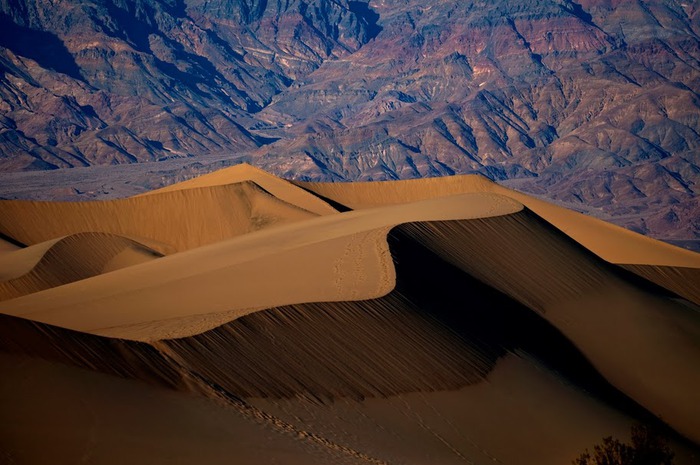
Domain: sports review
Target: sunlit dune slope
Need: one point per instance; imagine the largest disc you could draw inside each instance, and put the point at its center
(283, 190)
(71, 258)
(327, 258)
(424, 287)
(168, 222)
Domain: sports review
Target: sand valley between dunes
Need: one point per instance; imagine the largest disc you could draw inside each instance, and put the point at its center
(241, 318)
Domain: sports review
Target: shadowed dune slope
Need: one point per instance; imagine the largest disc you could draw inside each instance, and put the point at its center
(481, 422)
(72, 258)
(683, 281)
(644, 343)
(167, 222)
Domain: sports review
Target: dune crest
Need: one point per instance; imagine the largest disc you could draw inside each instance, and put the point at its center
(610, 242)
(281, 189)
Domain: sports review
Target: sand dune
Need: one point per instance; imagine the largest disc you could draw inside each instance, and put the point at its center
(683, 281)
(630, 334)
(167, 222)
(344, 257)
(281, 189)
(275, 305)
(610, 242)
(66, 260)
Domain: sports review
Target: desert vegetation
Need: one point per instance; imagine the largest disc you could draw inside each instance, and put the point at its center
(648, 447)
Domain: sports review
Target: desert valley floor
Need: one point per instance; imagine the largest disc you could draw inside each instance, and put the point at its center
(241, 318)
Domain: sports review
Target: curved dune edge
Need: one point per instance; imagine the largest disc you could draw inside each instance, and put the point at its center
(610, 242)
(68, 259)
(278, 187)
(344, 257)
(177, 220)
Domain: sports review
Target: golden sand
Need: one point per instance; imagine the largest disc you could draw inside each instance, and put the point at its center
(241, 286)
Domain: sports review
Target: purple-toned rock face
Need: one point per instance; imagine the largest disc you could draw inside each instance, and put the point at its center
(593, 103)
(100, 82)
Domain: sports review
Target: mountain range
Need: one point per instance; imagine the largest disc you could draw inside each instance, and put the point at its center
(594, 103)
